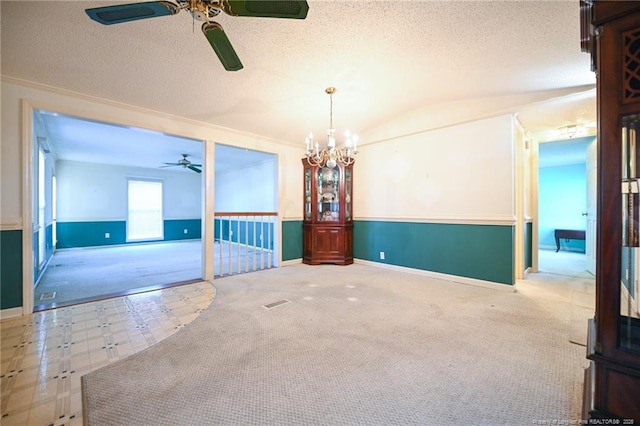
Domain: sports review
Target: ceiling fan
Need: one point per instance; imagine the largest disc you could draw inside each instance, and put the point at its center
(204, 10)
(186, 164)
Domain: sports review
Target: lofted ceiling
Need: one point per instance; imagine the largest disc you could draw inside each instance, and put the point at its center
(387, 59)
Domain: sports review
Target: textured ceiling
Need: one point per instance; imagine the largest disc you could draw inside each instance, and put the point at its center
(386, 59)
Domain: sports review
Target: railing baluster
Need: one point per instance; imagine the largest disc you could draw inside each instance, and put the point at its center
(269, 248)
(231, 245)
(246, 244)
(238, 265)
(262, 264)
(220, 242)
(255, 250)
(261, 252)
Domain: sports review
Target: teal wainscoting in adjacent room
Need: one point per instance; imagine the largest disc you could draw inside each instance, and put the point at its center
(483, 252)
(174, 229)
(10, 269)
(36, 255)
(91, 234)
(49, 241)
(245, 231)
(291, 239)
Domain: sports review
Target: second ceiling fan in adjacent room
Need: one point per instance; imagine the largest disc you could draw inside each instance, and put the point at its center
(185, 163)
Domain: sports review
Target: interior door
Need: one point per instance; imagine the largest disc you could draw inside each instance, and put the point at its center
(590, 235)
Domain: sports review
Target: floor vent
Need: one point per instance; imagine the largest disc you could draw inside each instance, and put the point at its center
(49, 295)
(278, 303)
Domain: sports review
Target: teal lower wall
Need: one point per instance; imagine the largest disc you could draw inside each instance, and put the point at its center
(245, 232)
(49, 241)
(36, 255)
(528, 245)
(91, 234)
(10, 269)
(174, 229)
(483, 252)
(291, 239)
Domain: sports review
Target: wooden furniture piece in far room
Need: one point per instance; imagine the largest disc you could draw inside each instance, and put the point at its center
(567, 234)
(328, 214)
(611, 33)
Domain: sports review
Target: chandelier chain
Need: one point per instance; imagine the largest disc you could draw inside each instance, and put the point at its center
(330, 110)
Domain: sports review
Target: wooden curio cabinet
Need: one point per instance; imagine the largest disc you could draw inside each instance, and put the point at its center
(611, 33)
(328, 214)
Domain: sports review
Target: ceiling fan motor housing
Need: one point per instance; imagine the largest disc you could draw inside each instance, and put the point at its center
(202, 11)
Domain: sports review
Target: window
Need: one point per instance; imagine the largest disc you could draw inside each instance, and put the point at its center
(144, 221)
(54, 206)
(42, 225)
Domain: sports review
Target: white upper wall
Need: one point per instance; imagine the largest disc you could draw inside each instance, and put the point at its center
(249, 189)
(97, 192)
(462, 172)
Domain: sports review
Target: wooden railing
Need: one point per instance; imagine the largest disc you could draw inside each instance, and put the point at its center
(246, 242)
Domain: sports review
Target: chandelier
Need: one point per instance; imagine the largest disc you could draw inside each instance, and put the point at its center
(330, 156)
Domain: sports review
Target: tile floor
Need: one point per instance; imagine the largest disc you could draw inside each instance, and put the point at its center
(44, 355)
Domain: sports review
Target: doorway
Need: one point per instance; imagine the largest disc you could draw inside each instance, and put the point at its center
(564, 191)
(95, 253)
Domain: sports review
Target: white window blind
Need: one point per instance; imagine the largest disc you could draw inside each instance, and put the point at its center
(144, 220)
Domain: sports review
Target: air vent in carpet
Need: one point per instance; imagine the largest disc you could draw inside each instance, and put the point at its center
(278, 303)
(49, 295)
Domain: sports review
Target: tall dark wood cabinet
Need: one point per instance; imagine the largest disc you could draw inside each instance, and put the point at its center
(611, 33)
(328, 214)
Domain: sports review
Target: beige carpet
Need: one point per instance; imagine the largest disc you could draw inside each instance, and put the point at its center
(76, 276)
(354, 345)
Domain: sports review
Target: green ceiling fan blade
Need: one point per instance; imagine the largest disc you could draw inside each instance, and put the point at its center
(222, 46)
(292, 9)
(131, 12)
(195, 169)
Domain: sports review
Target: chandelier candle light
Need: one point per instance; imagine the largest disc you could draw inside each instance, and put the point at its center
(330, 155)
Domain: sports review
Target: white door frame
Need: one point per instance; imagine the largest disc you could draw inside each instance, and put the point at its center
(520, 203)
(28, 107)
(27, 207)
(591, 213)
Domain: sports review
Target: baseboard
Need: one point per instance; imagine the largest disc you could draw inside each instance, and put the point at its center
(440, 276)
(10, 313)
(129, 244)
(567, 249)
(291, 262)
